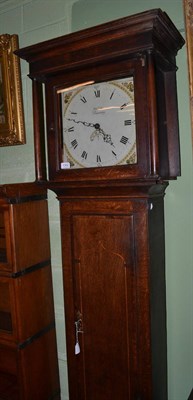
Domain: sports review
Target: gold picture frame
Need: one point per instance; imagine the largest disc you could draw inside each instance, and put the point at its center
(188, 17)
(12, 131)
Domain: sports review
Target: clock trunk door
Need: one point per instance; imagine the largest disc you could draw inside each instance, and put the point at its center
(105, 338)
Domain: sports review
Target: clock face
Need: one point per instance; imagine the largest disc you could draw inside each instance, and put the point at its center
(98, 123)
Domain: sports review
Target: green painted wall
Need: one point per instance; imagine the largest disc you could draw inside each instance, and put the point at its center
(38, 20)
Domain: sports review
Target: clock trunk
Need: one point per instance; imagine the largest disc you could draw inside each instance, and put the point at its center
(114, 288)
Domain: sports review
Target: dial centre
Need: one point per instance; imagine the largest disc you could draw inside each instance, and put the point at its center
(97, 126)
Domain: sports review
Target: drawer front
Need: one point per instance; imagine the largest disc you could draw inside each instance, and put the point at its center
(24, 236)
(26, 304)
(34, 302)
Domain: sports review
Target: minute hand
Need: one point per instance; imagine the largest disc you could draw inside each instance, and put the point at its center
(96, 126)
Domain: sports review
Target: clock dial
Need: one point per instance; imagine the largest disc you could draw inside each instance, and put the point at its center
(98, 122)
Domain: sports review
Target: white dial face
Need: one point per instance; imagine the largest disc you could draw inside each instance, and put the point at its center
(99, 125)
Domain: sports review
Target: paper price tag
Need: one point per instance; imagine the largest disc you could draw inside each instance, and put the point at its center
(77, 348)
(65, 165)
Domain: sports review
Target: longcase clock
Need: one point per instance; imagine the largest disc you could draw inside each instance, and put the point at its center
(112, 145)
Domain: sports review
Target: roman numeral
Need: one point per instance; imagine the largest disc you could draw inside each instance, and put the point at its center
(97, 93)
(71, 129)
(127, 122)
(98, 158)
(114, 153)
(83, 99)
(74, 143)
(84, 155)
(124, 140)
(112, 94)
(124, 106)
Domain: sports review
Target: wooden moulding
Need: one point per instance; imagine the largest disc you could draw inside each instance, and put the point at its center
(19, 192)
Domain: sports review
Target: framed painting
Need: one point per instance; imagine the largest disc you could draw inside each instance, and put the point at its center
(188, 16)
(12, 131)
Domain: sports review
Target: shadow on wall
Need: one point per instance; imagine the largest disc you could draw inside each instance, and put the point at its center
(191, 395)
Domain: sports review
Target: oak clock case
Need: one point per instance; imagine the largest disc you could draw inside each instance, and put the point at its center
(111, 89)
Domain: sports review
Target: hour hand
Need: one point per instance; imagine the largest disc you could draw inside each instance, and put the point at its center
(99, 131)
(107, 139)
